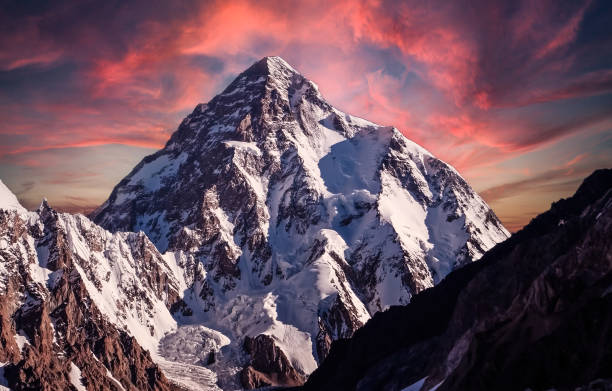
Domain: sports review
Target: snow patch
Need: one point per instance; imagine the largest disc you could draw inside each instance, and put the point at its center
(151, 174)
(244, 146)
(76, 378)
(40, 274)
(352, 164)
(8, 200)
(190, 377)
(192, 344)
(409, 219)
(117, 382)
(22, 339)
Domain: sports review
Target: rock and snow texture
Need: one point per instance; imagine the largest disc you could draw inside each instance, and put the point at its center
(278, 215)
(511, 321)
(78, 304)
(289, 218)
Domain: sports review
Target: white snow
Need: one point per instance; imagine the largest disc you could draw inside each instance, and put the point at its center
(118, 276)
(191, 377)
(76, 378)
(152, 173)
(296, 344)
(8, 201)
(409, 219)
(183, 353)
(192, 344)
(297, 95)
(363, 123)
(418, 385)
(352, 164)
(109, 373)
(443, 242)
(123, 196)
(117, 382)
(22, 339)
(244, 146)
(39, 273)
(278, 63)
(146, 325)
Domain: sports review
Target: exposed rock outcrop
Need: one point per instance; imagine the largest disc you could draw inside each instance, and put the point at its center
(268, 365)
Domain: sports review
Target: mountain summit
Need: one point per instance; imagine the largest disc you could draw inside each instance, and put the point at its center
(306, 220)
(272, 66)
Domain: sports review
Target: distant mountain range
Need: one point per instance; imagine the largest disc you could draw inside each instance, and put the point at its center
(269, 226)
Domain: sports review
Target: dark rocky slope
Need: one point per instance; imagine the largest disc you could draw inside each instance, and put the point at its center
(534, 313)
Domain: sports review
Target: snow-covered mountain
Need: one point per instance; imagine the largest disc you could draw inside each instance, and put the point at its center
(79, 305)
(285, 224)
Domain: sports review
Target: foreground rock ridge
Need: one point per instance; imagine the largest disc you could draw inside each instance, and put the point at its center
(534, 313)
(306, 220)
(270, 225)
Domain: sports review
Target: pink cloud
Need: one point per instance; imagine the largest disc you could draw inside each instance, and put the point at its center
(434, 37)
(462, 69)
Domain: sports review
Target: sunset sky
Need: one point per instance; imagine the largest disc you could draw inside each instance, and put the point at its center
(517, 95)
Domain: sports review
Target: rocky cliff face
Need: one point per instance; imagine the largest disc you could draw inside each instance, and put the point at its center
(304, 220)
(534, 313)
(58, 276)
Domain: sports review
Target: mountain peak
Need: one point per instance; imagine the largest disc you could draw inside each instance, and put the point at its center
(44, 206)
(273, 72)
(270, 90)
(271, 190)
(272, 66)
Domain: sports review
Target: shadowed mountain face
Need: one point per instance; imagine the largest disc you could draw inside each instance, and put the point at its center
(534, 313)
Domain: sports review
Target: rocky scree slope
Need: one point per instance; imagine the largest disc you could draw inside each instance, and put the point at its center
(306, 220)
(534, 313)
